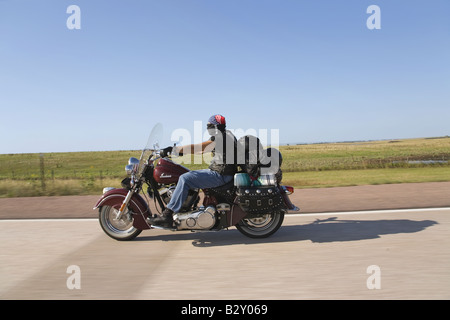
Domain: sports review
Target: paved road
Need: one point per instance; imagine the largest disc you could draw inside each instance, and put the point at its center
(399, 254)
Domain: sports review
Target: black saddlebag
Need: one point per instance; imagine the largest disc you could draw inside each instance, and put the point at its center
(260, 199)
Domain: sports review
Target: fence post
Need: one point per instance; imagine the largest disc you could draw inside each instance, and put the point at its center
(41, 160)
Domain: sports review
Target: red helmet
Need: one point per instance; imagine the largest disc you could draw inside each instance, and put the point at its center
(217, 119)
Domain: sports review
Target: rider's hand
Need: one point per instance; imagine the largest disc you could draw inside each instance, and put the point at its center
(165, 152)
(177, 151)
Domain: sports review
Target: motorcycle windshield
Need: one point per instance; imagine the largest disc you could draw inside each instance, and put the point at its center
(153, 144)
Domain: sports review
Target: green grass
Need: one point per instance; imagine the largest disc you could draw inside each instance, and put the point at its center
(68, 165)
(304, 166)
(340, 178)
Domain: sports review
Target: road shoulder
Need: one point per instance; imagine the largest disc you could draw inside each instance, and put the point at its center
(374, 197)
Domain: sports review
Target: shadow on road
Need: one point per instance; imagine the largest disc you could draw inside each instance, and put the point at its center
(326, 230)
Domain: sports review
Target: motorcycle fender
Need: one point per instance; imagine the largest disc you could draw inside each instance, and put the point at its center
(137, 204)
(235, 215)
(289, 205)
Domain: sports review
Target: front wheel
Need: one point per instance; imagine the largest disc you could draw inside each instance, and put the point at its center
(121, 229)
(261, 227)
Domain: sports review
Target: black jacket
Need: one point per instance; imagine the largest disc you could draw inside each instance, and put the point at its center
(224, 153)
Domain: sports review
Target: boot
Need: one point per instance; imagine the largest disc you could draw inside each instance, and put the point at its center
(165, 220)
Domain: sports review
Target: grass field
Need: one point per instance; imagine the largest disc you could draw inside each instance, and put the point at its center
(304, 166)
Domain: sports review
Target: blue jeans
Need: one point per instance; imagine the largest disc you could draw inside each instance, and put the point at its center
(197, 179)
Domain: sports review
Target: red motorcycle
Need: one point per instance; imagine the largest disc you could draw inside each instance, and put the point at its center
(257, 211)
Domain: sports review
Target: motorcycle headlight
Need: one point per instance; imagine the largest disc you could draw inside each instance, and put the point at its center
(132, 166)
(129, 169)
(133, 161)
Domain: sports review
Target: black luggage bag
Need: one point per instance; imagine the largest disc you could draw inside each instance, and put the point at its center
(259, 199)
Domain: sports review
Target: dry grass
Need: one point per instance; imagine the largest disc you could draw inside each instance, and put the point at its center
(340, 178)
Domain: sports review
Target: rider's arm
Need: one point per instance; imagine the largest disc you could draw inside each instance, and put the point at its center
(197, 148)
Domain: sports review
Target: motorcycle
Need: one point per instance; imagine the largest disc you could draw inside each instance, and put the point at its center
(257, 211)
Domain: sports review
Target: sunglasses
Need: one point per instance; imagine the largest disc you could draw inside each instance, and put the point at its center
(211, 126)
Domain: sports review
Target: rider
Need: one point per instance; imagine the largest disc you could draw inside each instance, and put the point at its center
(221, 170)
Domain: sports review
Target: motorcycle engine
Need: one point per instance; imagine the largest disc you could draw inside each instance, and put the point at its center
(189, 204)
(197, 220)
(166, 194)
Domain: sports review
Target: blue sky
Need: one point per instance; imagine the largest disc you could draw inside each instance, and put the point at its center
(311, 69)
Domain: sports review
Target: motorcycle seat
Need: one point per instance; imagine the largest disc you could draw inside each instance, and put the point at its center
(223, 188)
(225, 192)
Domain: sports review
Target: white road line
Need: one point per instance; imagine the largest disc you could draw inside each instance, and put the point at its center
(290, 215)
(367, 212)
(50, 220)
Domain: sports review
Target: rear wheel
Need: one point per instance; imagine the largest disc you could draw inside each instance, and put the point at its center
(119, 229)
(261, 227)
